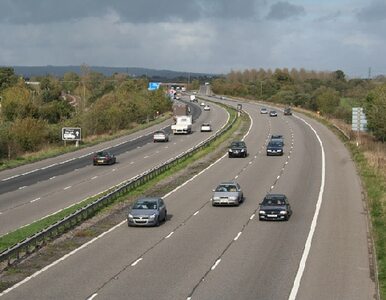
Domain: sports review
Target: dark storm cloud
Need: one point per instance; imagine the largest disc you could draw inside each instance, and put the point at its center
(141, 11)
(285, 10)
(374, 12)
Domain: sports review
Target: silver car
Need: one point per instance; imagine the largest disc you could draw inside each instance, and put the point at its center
(227, 193)
(160, 136)
(147, 212)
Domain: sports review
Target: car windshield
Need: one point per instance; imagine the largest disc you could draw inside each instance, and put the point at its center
(226, 188)
(273, 201)
(159, 132)
(275, 144)
(102, 154)
(145, 205)
(238, 144)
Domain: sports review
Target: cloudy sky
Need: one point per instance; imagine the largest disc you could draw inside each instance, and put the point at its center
(214, 36)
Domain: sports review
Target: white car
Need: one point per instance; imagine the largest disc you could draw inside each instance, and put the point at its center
(206, 127)
(160, 136)
(263, 110)
(207, 107)
(202, 104)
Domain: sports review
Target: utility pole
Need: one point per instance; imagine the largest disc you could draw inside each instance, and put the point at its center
(369, 73)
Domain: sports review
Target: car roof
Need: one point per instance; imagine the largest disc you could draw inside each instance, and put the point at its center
(275, 196)
(149, 199)
(228, 183)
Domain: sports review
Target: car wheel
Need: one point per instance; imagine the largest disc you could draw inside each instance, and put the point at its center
(157, 222)
(166, 213)
(230, 156)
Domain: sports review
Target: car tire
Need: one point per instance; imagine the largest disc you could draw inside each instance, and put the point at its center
(158, 222)
(166, 214)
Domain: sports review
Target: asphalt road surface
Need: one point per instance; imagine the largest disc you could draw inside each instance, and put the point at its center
(205, 252)
(40, 189)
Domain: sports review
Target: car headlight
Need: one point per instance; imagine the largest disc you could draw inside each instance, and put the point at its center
(242, 150)
(216, 198)
(230, 150)
(262, 212)
(130, 216)
(269, 150)
(152, 216)
(232, 198)
(283, 212)
(279, 150)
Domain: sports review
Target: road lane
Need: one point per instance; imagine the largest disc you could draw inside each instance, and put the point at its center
(206, 252)
(23, 206)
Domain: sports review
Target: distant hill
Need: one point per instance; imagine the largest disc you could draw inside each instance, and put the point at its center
(59, 71)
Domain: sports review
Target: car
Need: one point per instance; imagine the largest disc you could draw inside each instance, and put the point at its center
(277, 138)
(147, 211)
(287, 111)
(202, 104)
(275, 148)
(275, 207)
(273, 113)
(160, 136)
(206, 127)
(227, 193)
(207, 107)
(104, 158)
(263, 110)
(238, 149)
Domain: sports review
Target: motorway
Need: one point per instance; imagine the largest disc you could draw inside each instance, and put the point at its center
(31, 192)
(205, 252)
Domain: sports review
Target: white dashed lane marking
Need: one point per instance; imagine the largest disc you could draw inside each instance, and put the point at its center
(136, 262)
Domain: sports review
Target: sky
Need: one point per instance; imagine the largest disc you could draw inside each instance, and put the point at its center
(209, 36)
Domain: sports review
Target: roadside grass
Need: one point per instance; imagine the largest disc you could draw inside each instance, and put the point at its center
(22, 233)
(375, 186)
(55, 150)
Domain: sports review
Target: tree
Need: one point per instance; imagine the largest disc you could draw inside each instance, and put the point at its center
(16, 103)
(375, 109)
(7, 77)
(29, 133)
(327, 100)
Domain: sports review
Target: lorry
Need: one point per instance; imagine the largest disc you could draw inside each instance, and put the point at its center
(180, 109)
(183, 125)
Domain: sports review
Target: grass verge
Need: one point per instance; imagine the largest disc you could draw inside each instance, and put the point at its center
(375, 189)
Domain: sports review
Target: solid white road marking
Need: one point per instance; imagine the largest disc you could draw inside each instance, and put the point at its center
(95, 177)
(22, 187)
(196, 213)
(67, 187)
(12, 177)
(307, 247)
(53, 177)
(251, 218)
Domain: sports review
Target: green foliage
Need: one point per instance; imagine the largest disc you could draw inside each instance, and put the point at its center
(55, 111)
(29, 133)
(327, 100)
(375, 109)
(7, 77)
(16, 103)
